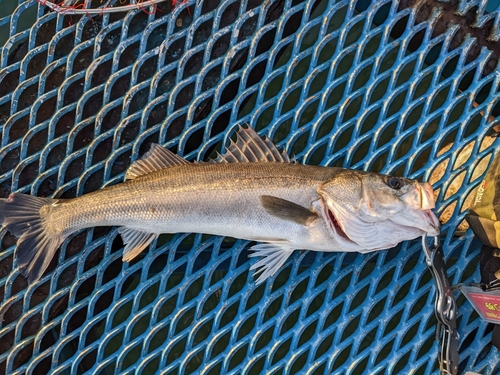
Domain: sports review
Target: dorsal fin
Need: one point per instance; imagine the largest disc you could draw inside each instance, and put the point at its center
(155, 159)
(250, 147)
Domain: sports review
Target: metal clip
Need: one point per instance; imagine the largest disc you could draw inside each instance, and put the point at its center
(445, 307)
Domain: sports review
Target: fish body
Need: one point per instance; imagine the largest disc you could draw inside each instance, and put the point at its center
(218, 199)
(251, 192)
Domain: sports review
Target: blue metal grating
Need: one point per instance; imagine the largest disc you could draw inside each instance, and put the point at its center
(383, 86)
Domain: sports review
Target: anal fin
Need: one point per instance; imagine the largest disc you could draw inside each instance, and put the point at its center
(274, 255)
(135, 241)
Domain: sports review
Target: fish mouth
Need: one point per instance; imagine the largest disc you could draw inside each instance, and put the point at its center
(426, 196)
(432, 221)
(421, 197)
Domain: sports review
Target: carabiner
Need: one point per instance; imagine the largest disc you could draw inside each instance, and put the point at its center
(445, 307)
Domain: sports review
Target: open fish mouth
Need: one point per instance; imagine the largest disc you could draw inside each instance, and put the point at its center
(430, 217)
(426, 196)
(421, 202)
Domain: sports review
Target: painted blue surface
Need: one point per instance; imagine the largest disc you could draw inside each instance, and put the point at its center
(492, 5)
(337, 89)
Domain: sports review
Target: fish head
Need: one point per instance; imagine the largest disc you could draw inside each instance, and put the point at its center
(369, 211)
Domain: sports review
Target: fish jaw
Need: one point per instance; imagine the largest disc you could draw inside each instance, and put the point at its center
(419, 214)
(427, 196)
(425, 220)
(427, 204)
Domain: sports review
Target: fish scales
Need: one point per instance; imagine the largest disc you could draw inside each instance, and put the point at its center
(181, 198)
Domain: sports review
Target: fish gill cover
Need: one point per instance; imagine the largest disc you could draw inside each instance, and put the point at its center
(409, 88)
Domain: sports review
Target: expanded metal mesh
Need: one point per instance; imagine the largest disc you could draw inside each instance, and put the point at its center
(409, 88)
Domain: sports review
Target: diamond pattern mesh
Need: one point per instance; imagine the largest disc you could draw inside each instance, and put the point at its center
(408, 87)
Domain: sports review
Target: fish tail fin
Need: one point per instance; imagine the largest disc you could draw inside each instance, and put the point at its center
(25, 217)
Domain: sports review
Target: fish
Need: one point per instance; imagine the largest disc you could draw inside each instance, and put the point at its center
(252, 191)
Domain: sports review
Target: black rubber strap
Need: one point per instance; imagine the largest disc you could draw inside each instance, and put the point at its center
(488, 264)
(495, 336)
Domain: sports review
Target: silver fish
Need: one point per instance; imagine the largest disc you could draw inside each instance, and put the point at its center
(251, 192)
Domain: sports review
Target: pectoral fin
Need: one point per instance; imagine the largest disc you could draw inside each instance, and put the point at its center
(274, 255)
(287, 210)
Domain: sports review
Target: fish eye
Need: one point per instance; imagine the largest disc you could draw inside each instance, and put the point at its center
(393, 183)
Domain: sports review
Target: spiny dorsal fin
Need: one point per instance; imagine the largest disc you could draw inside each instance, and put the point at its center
(287, 210)
(250, 147)
(155, 159)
